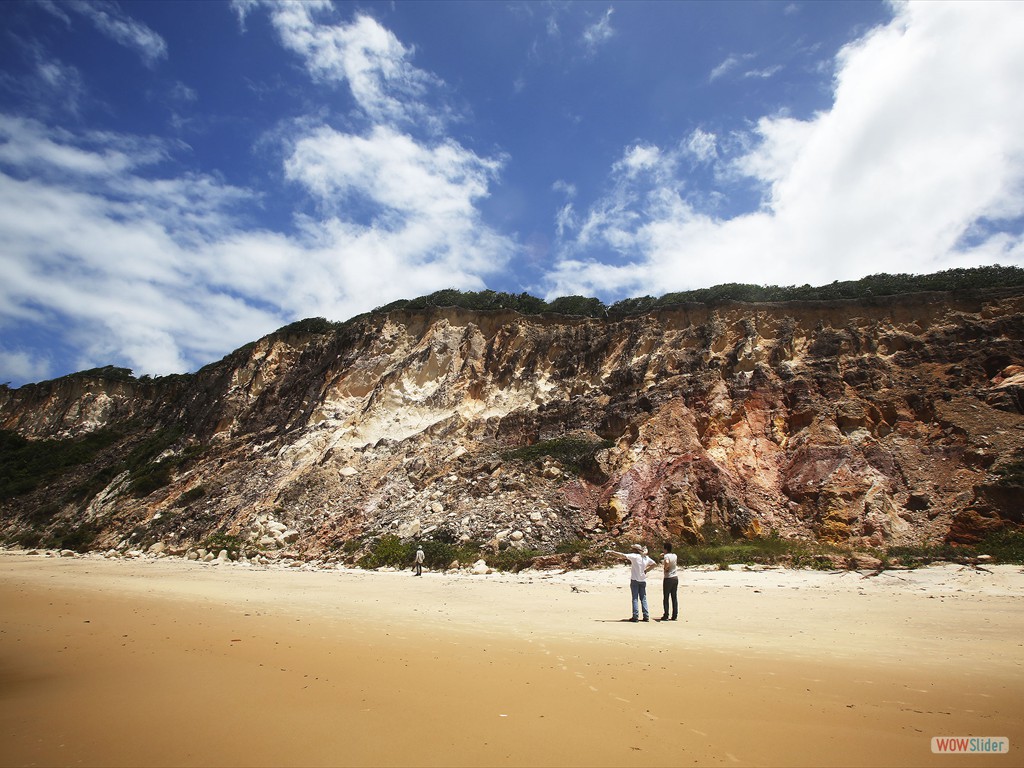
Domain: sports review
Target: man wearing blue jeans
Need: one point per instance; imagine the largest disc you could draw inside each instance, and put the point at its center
(639, 565)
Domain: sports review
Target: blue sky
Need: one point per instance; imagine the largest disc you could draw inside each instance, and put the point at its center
(177, 179)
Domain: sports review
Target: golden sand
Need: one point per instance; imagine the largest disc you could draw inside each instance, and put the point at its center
(166, 662)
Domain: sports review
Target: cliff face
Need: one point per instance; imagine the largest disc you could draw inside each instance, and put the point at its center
(872, 422)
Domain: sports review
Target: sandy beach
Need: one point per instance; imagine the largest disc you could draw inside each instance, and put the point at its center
(168, 662)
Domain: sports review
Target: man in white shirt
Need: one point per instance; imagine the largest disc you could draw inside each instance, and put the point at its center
(419, 561)
(639, 564)
(670, 582)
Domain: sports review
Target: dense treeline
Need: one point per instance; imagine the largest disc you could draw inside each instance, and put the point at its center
(873, 285)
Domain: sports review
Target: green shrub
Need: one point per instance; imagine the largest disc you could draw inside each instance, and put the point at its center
(93, 484)
(310, 325)
(437, 555)
(512, 559)
(1006, 546)
(767, 550)
(66, 536)
(588, 554)
(873, 285)
(481, 300)
(107, 373)
(146, 474)
(191, 495)
(149, 478)
(29, 539)
(575, 454)
(1012, 472)
(390, 551)
(995, 276)
(351, 546)
(28, 464)
(218, 541)
(912, 555)
(580, 306)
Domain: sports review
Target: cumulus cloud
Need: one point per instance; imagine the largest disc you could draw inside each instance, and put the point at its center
(419, 199)
(129, 265)
(104, 256)
(160, 274)
(638, 159)
(395, 172)
(29, 146)
(23, 366)
(918, 165)
(364, 54)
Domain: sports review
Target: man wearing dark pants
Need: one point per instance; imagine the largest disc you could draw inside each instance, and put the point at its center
(419, 561)
(670, 582)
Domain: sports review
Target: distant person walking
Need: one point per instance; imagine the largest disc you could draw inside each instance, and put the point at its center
(670, 582)
(639, 564)
(419, 561)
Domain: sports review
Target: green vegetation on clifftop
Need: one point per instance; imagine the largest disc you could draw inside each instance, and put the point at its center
(872, 286)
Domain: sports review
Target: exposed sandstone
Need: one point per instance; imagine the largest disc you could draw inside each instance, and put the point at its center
(872, 423)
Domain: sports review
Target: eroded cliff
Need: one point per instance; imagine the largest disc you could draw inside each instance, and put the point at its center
(866, 422)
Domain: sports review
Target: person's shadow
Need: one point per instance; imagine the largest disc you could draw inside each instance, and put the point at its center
(621, 621)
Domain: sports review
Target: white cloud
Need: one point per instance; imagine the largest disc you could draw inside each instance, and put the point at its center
(418, 200)
(920, 148)
(113, 285)
(27, 144)
(733, 62)
(50, 87)
(638, 158)
(552, 26)
(565, 220)
(728, 64)
(365, 55)
(59, 77)
(763, 73)
(702, 146)
(242, 9)
(393, 171)
(599, 33)
(182, 94)
(54, 9)
(22, 366)
(158, 274)
(109, 19)
(563, 186)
